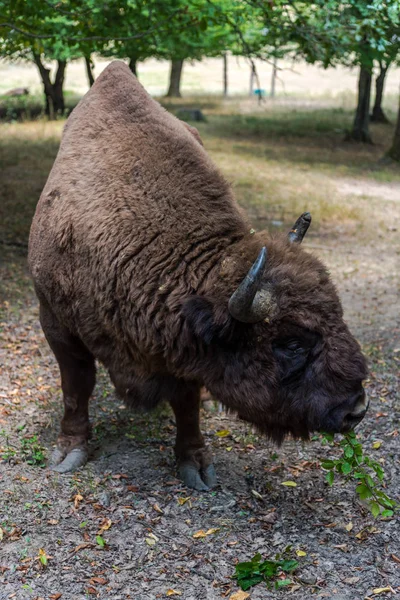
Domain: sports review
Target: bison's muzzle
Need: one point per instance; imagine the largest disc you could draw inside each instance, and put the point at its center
(340, 420)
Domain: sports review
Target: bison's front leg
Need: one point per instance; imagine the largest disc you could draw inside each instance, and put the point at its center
(194, 460)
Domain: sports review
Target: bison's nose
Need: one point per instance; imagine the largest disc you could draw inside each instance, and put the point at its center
(357, 414)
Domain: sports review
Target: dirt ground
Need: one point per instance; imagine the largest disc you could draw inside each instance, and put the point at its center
(124, 527)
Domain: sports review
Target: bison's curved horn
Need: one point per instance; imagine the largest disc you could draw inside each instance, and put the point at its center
(299, 229)
(248, 303)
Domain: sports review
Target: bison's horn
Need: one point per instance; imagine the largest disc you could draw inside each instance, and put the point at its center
(248, 303)
(299, 229)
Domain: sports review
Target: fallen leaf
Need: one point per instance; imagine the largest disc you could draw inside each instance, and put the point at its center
(200, 534)
(289, 483)
(55, 596)
(77, 499)
(52, 521)
(182, 500)
(172, 592)
(104, 526)
(223, 433)
(239, 596)
(150, 541)
(352, 580)
(349, 526)
(256, 495)
(395, 558)
(376, 445)
(1, 534)
(383, 590)
(301, 553)
(82, 547)
(158, 509)
(91, 590)
(211, 531)
(132, 488)
(43, 557)
(99, 580)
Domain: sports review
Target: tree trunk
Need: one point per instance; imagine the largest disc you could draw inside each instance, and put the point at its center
(53, 91)
(133, 66)
(378, 116)
(360, 130)
(89, 70)
(225, 58)
(252, 78)
(174, 90)
(273, 77)
(394, 151)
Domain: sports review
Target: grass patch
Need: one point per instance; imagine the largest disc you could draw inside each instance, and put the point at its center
(31, 106)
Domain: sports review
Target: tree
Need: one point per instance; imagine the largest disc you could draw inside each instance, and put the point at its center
(394, 151)
(174, 89)
(378, 116)
(43, 30)
(89, 70)
(329, 32)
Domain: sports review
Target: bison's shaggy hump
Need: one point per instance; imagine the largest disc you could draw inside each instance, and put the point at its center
(133, 217)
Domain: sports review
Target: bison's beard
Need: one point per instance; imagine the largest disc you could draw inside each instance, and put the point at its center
(278, 431)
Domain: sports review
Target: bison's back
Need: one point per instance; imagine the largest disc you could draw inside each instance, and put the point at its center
(130, 206)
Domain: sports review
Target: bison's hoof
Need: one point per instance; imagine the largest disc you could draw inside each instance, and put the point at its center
(67, 463)
(201, 480)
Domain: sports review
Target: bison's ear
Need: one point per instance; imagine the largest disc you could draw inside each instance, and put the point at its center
(207, 320)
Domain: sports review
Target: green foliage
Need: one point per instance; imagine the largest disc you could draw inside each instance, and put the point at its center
(329, 31)
(255, 571)
(368, 474)
(30, 450)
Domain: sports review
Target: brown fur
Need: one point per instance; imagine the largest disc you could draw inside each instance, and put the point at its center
(136, 247)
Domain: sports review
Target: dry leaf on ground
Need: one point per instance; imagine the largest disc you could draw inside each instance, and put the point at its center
(239, 596)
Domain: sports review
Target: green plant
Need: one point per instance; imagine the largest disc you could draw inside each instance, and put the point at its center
(32, 452)
(255, 571)
(368, 473)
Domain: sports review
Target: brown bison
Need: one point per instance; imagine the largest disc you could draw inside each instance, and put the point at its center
(142, 259)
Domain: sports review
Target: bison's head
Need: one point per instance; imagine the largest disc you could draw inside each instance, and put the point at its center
(278, 352)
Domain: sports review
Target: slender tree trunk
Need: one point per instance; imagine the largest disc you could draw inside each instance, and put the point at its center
(252, 78)
(360, 130)
(53, 91)
(273, 77)
(394, 151)
(378, 116)
(89, 70)
(174, 90)
(133, 66)
(225, 59)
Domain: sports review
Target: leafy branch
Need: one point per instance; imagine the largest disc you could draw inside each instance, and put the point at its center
(368, 473)
(255, 571)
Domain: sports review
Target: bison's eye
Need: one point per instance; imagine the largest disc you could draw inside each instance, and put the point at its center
(291, 355)
(294, 346)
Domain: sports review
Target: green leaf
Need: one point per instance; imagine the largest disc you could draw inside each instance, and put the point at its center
(282, 583)
(346, 468)
(375, 509)
(348, 452)
(364, 492)
(289, 565)
(330, 477)
(328, 464)
(100, 541)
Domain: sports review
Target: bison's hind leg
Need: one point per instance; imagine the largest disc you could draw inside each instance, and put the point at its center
(78, 374)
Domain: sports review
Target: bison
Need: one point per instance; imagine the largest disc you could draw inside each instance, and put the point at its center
(142, 260)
